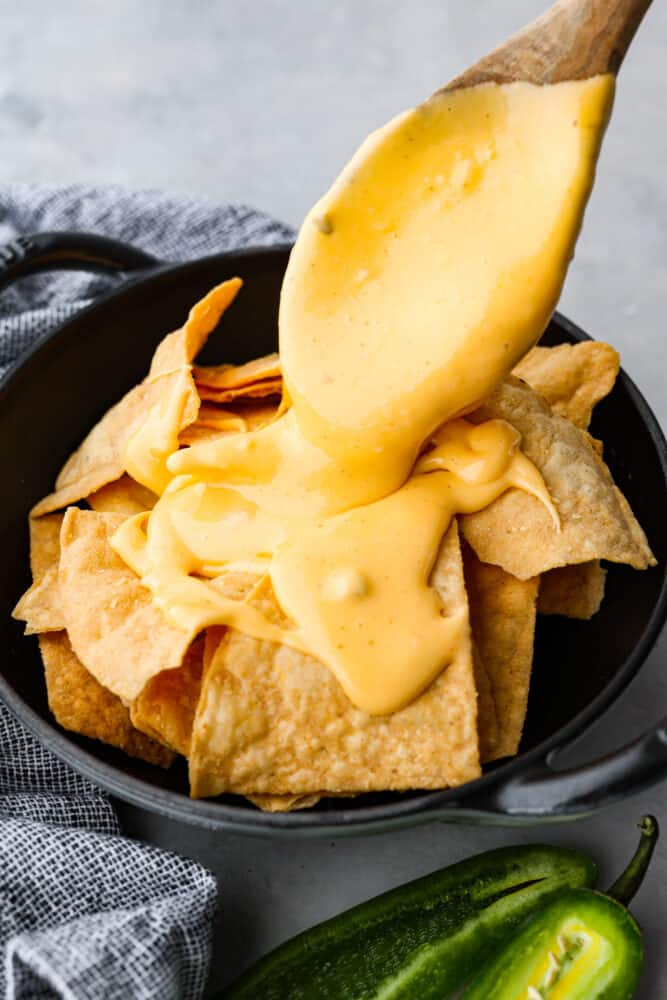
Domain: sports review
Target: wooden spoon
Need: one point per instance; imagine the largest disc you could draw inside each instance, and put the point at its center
(573, 40)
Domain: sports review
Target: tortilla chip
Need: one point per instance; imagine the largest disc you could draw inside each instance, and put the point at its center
(487, 716)
(234, 376)
(273, 721)
(284, 803)
(80, 704)
(100, 459)
(572, 591)
(257, 390)
(247, 416)
(40, 606)
(516, 531)
(76, 699)
(214, 422)
(267, 803)
(114, 626)
(165, 709)
(196, 434)
(219, 419)
(124, 496)
(502, 617)
(180, 348)
(571, 377)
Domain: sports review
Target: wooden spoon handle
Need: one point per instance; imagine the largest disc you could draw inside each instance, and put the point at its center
(573, 40)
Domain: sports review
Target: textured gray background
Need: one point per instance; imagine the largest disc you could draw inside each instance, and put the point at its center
(262, 102)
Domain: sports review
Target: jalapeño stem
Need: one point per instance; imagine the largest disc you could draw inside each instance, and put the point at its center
(627, 884)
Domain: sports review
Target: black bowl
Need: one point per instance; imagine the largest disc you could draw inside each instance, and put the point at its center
(55, 393)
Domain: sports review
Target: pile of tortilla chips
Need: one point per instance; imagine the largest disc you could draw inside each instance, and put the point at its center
(259, 719)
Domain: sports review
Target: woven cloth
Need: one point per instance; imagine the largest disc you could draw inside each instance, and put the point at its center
(85, 912)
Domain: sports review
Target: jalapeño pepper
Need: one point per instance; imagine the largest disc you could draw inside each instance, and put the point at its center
(421, 941)
(582, 945)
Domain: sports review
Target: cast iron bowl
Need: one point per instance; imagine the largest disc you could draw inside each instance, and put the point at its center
(60, 388)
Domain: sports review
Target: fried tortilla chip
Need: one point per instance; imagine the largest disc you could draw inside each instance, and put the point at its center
(502, 618)
(517, 533)
(256, 390)
(124, 496)
(487, 716)
(114, 626)
(166, 707)
(571, 377)
(235, 376)
(214, 421)
(273, 721)
(248, 415)
(572, 591)
(284, 803)
(219, 419)
(40, 606)
(100, 459)
(196, 434)
(80, 704)
(76, 699)
(267, 803)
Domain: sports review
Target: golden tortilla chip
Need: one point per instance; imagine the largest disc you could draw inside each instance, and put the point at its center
(517, 533)
(284, 803)
(40, 606)
(124, 496)
(487, 716)
(571, 377)
(234, 376)
(180, 348)
(114, 626)
(248, 415)
(196, 434)
(80, 704)
(502, 618)
(572, 591)
(76, 699)
(166, 707)
(100, 459)
(273, 721)
(290, 803)
(219, 419)
(236, 587)
(257, 390)
(214, 421)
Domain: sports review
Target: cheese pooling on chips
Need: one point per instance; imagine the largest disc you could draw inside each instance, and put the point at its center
(403, 306)
(276, 547)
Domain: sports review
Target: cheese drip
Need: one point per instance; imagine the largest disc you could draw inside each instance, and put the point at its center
(416, 284)
(356, 584)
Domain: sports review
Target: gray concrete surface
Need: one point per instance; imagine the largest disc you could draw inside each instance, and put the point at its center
(262, 102)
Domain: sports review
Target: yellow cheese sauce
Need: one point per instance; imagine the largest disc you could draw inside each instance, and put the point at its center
(147, 451)
(416, 284)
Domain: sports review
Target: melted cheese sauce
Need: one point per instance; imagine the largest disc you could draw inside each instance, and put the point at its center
(416, 284)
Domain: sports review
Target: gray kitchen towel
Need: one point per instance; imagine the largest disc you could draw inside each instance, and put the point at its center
(172, 227)
(84, 912)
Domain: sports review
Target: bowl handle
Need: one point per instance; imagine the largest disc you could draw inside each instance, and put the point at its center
(68, 251)
(539, 791)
